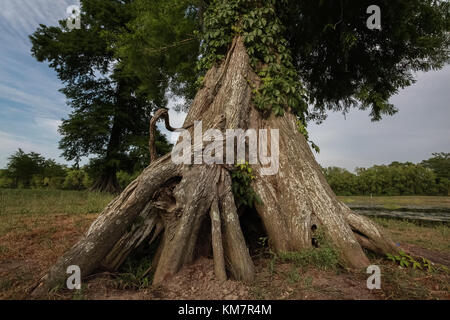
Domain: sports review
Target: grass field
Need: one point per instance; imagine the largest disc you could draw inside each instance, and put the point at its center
(27, 201)
(397, 202)
(38, 226)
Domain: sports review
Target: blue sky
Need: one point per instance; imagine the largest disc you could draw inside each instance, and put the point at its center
(31, 107)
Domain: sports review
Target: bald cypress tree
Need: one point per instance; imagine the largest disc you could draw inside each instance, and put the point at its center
(261, 64)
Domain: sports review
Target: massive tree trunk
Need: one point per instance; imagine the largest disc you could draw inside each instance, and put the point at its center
(174, 202)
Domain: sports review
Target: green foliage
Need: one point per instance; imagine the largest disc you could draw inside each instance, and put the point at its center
(293, 276)
(312, 52)
(322, 53)
(26, 170)
(406, 261)
(323, 258)
(137, 271)
(262, 31)
(343, 64)
(79, 294)
(5, 180)
(242, 177)
(161, 47)
(440, 164)
(302, 129)
(34, 171)
(135, 274)
(56, 182)
(130, 56)
(395, 179)
(76, 180)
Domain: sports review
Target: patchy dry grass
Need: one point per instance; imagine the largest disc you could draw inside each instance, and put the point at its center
(433, 236)
(30, 244)
(397, 202)
(38, 226)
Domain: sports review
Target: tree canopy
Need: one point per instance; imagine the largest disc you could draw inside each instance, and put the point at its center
(25, 169)
(312, 53)
(110, 116)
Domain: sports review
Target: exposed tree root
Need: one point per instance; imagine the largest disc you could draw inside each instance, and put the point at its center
(217, 244)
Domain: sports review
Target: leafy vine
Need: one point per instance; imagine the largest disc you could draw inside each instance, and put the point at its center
(262, 31)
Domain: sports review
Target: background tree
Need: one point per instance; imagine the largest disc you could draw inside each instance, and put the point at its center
(110, 114)
(26, 170)
(342, 181)
(396, 179)
(22, 166)
(263, 62)
(440, 164)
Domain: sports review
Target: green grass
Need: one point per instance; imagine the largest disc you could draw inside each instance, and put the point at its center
(397, 202)
(433, 236)
(326, 257)
(28, 201)
(322, 258)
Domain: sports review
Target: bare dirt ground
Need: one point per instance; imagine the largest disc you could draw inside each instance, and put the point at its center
(33, 243)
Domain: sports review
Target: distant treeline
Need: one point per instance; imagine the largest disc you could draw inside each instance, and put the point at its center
(31, 170)
(430, 177)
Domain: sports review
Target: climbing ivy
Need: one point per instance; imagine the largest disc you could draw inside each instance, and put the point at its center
(242, 176)
(280, 89)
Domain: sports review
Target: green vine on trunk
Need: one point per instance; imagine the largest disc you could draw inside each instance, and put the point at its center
(257, 23)
(244, 194)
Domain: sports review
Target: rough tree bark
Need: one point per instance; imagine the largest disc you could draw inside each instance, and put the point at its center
(172, 201)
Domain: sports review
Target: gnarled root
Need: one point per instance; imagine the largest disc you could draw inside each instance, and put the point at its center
(198, 193)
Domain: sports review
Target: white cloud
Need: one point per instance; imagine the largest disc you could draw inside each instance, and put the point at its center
(419, 129)
(11, 143)
(35, 102)
(50, 126)
(18, 18)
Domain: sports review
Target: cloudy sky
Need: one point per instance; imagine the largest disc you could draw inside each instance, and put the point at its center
(31, 108)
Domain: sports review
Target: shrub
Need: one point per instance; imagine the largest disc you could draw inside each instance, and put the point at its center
(56, 182)
(5, 181)
(75, 180)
